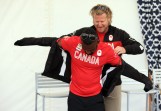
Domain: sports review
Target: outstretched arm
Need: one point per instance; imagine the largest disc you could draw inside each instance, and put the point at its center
(42, 41)
(133, 73)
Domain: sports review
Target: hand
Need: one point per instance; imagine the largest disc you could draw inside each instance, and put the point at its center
(120, 50)
(148, 86)
(19, 42)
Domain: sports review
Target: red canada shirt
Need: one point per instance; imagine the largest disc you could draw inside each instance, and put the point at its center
(86, 69)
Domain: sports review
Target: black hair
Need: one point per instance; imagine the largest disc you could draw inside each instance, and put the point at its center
(88, 36)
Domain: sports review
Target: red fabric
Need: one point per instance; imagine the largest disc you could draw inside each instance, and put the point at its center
(113, 44)
(86, 69)
(101, 36)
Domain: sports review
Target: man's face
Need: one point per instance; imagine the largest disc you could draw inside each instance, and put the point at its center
(101, 22)
(90, 49)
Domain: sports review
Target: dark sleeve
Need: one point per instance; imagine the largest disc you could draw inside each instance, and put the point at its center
(127, 70)
(42, 41)
(131, 45)
(133, 73)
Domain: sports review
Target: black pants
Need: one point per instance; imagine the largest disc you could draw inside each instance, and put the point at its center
(92, 103)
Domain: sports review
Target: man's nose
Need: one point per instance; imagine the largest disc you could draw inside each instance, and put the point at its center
(99, 24)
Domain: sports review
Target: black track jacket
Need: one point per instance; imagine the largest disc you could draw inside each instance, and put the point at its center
(58, 57)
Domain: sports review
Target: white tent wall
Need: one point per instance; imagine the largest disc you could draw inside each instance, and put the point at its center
(18, 19)
(36, 18)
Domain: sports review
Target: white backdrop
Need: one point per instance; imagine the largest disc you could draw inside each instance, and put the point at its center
(26, 18)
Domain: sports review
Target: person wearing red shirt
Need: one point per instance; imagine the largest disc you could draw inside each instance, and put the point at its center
(88, 56)
(122, 43)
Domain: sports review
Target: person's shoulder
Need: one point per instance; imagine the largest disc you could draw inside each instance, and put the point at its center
(74, 38)
(117, 30)
(70, 41)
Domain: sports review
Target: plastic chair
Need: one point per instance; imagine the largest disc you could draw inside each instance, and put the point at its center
(128, 92)
(156, 80)
(49, 88)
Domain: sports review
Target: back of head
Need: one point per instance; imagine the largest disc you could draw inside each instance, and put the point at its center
(99, 9)
(89, 36)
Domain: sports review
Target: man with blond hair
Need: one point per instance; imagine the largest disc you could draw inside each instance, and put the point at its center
(122, 43)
